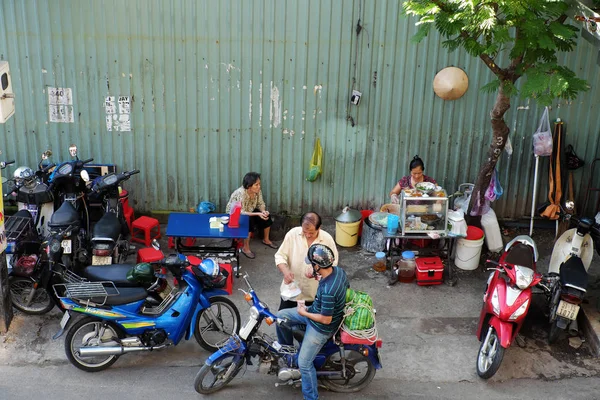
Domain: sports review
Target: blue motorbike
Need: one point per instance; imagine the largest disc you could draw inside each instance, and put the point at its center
(119, 320)
(344, 364)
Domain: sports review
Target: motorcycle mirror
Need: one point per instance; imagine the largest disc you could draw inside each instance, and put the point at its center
(84, 175)
(155, 244)
(73, 150)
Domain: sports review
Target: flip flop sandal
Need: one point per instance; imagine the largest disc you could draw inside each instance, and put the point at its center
(249, 255)
(271, 245)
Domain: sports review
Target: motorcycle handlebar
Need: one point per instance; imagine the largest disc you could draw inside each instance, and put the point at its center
(9, 162)
(87, 161)
(46, 168)
(135, 171)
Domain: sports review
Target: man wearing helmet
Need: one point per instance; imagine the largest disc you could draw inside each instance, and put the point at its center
(322, 318)
(291, 255)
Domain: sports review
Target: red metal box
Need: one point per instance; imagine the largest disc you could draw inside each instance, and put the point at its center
(430, 271)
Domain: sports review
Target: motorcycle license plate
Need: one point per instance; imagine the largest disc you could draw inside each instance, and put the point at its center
(65, 319)
(101, 260)
(66, 245)
(567, 310)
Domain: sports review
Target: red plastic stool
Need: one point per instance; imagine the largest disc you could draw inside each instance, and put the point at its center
(145, 226)
(128, 214)
(186, 242)
(149, 254)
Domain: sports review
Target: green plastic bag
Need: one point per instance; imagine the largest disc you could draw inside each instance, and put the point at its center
(316, 161)
(358, 311)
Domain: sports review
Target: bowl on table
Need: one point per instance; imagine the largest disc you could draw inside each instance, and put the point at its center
(224, 220)
(425, 187)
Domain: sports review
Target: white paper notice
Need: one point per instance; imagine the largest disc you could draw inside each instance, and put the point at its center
(60, 105)
(118, 119)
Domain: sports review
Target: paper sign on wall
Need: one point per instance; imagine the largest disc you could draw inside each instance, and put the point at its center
(118, 112)
(60, 105)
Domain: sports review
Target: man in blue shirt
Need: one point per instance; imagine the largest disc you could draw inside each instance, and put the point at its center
(322, 318)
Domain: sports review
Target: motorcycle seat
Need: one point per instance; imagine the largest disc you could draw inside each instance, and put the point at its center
(108, 227)
(520, 254)
(126, 295)
(116, 273)
(573, 273)
(65, 216)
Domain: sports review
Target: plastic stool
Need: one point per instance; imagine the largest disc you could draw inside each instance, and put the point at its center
(149, 254)
(186, 242)
(129, 216)
(145, 226)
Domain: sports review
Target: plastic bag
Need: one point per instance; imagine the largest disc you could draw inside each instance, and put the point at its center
(508, 147)
(316, 161)
(494, 190)
(542, 138)
(206, 207)
(358, 311)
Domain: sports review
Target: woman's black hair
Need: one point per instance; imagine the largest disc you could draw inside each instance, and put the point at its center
(416, 162)
(250, 179)
(312, 218)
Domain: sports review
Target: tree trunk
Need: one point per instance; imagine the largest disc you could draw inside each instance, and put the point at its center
(499, 137)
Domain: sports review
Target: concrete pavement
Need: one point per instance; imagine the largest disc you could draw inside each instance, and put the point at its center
(428, 335)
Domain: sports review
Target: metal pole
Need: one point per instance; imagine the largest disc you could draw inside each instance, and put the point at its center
(535, 184)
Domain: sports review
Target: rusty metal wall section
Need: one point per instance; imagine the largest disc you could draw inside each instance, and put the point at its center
(197, 93)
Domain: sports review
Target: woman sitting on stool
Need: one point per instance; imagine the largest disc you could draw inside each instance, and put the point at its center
(253, 205)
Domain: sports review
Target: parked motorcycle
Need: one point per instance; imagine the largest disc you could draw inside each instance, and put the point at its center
(118, 321)
(343, 365)
(37, 266)
(506, 301)
(109, 236)
(68, 181)
(567, 275)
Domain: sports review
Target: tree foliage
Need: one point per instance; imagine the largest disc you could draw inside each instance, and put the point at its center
(526, 35)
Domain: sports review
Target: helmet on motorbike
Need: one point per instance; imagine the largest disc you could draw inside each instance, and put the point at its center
(23, 172)
(141, 273)
(321, 255)
(209, 267)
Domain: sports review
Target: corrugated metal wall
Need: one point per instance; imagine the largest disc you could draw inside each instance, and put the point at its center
(221, 88)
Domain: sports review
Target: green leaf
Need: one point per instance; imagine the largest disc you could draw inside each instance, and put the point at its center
(422, 33)
(491, 87)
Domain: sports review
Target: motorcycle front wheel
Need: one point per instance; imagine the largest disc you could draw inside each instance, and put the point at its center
(212, 378)
(91, 332)
(490, 355)
(28, 299)
(216, 324)
(360, 371)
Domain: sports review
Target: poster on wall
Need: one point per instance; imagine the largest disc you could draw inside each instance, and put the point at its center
(60, 105)
(118, 111)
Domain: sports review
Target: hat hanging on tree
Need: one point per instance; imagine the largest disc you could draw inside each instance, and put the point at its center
(450, 83)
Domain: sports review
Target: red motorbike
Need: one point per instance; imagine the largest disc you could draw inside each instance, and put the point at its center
(506, 301)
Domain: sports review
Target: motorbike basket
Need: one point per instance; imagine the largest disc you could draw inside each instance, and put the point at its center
(211, 282)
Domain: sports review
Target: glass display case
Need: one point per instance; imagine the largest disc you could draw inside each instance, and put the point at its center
(423, 213)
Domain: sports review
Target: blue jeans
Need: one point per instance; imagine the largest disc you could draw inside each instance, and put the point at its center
(311, 345)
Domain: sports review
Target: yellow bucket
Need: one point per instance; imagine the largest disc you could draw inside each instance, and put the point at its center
(346, 233)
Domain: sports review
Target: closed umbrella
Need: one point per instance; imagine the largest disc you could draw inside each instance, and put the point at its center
(555, 182)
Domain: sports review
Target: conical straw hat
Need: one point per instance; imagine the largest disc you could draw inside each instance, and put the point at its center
(450, 83)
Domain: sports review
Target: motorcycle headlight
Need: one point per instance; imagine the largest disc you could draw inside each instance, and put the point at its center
(254, 313)
(496, 302)
(520, 311)
(524, 276)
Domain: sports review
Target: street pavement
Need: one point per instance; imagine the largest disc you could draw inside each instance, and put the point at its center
(429, 347)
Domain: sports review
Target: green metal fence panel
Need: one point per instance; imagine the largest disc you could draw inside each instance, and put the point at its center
(197, 93)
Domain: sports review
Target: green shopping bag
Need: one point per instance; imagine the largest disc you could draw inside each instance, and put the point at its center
(316, 162)
(358, 311)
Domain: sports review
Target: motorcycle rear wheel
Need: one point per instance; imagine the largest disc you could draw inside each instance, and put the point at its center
(206, 331)
(490, 355)
(357, 366)
(215, 372)
(86, 332)
(554, 332)
(21, 289)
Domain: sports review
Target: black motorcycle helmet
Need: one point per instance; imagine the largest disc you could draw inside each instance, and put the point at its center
(320, 255)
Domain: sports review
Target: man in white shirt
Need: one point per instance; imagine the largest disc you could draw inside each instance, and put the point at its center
(291, 257)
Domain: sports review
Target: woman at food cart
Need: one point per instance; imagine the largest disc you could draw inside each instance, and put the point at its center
(416, 167)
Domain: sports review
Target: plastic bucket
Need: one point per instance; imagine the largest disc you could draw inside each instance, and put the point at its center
(364, 214)
(346, 233)
(468, 251)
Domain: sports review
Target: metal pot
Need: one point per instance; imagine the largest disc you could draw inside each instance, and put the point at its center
(348, 215)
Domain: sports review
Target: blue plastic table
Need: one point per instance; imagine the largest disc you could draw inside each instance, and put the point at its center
(191, 225)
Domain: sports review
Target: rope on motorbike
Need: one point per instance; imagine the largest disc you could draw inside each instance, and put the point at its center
(366, 334)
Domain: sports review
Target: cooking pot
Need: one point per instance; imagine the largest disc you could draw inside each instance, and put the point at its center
(348, 215)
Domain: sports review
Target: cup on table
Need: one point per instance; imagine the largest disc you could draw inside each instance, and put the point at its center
(392, 223)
